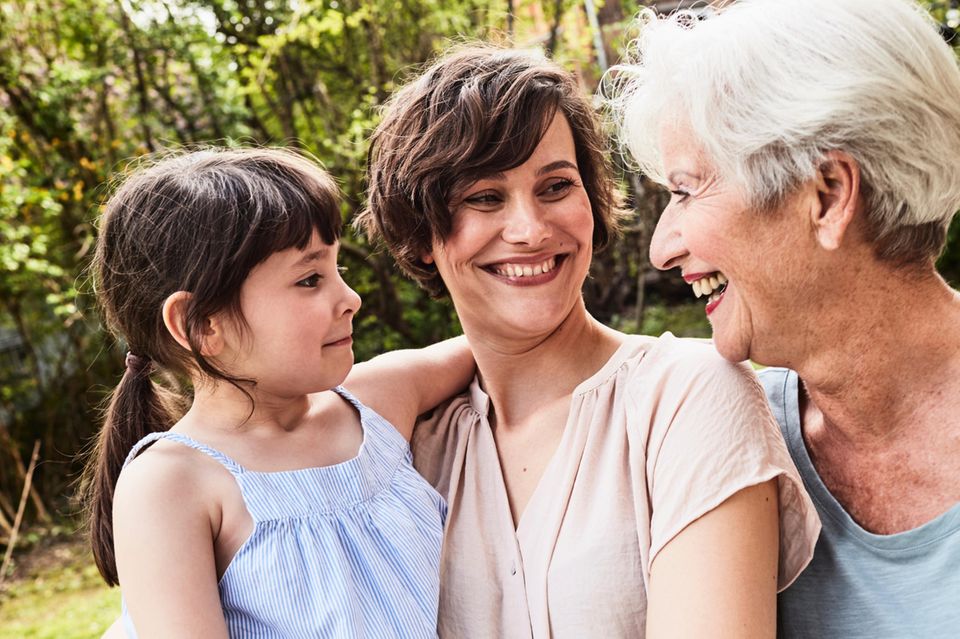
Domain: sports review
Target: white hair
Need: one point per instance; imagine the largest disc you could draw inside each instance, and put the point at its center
(768, 87)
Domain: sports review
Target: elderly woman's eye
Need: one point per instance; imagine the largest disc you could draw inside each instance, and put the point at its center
(679, 195)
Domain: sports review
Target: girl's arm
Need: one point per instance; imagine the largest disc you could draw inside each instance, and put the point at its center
(401, 385)
(718, 577)
(163, 540)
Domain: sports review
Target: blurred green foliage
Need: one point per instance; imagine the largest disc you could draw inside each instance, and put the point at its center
(86, 86)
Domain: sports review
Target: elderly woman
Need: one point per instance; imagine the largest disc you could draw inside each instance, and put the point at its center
(812, 148)
(599, 484)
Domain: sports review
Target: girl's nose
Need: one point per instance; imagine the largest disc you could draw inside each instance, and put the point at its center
(667, 248)
(350, 302)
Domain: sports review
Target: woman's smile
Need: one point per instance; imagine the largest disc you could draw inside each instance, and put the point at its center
(712, 285)
(527, 271)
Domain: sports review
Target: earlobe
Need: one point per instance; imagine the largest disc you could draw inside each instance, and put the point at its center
(175, 309)
(427, 258)
(838, 193)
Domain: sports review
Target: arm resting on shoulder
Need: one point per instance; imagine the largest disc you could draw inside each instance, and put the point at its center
(718, 577)
(401, 385)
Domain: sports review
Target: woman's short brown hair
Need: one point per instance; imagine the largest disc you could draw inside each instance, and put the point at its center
(476, 111)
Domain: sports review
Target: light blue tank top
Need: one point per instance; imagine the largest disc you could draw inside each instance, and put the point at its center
(861, 585)
(350, 550)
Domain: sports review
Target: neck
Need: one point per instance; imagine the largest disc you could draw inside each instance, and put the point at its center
(219, 405)
(523, 374)
(879, 352)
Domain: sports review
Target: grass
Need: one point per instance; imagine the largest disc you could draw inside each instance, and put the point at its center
(57, 594)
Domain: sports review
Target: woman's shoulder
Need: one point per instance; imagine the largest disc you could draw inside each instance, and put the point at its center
(682, 359)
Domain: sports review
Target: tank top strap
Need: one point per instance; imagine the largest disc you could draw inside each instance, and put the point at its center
(375, 426)
(232, 466)
(347, 395)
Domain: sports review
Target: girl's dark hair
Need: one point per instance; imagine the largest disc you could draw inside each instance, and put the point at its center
(476, 111)
(198, 222)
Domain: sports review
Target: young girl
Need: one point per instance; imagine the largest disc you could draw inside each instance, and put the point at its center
(278, 504)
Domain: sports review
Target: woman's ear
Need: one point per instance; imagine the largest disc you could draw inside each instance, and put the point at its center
(175, 309)
(427, 258)
(838, 194)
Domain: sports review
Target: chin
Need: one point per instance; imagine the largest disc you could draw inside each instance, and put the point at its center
(732, 352)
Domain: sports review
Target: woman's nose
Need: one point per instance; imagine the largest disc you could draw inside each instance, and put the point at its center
(525, 223)
(667, 248)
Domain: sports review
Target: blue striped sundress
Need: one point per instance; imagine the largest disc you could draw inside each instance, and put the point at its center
(350, 550)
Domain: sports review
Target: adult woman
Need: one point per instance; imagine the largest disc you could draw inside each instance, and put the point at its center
(599, 484)
(813, 150)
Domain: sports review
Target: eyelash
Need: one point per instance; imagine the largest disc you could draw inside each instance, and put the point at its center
(682, 195)
(555, 188)
(311, 281)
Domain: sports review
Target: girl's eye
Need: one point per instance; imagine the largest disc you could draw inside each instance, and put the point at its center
(311, 281)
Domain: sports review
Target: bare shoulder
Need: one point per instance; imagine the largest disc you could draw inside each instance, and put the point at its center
(163, 478)
(334, 408)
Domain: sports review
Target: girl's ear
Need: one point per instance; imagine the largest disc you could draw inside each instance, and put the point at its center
(175, 319)
(838, 191)
(427, 258)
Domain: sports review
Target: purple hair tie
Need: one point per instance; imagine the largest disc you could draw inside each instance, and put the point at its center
(135, 363)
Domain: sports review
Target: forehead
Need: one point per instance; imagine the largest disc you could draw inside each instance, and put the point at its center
(680, 150)
(557, 140)
(294, 258)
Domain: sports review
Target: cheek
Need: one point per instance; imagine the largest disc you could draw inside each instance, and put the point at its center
(577, 217)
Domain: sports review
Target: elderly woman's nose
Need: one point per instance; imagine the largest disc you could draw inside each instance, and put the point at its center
(666, 246)
(525, 223)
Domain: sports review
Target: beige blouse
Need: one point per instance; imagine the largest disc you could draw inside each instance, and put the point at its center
(663, 433)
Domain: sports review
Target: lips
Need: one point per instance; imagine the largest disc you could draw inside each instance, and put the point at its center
(529, 269)
(343, 341)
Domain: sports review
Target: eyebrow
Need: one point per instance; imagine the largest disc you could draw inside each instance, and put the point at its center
(312, 257)
(672, 177)
(553, 166)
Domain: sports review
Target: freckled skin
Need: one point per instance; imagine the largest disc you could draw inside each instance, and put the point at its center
(876, 344)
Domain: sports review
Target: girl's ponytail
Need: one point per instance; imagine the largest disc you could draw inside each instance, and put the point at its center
(138, 406)
(198, 223)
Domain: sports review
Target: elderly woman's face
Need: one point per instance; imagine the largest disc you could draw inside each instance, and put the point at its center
(746, 265)
(521, 243)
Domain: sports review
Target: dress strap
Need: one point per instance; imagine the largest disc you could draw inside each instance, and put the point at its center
(347, 395)
(232, 466)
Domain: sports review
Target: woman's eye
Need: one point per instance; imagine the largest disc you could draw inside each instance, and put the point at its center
(482, 199)
(679, 195)
(311, 281)
(558, 187)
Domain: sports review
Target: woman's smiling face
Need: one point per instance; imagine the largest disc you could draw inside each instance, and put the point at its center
(521, 243)
(747, 264)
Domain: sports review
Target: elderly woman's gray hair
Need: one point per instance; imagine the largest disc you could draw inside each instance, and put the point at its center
(768, 87)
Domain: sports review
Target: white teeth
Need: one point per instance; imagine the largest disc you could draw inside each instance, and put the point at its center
(707, 285)
(526, 270)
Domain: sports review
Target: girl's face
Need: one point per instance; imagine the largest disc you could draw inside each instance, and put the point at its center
(521, 243)
(299, 314)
